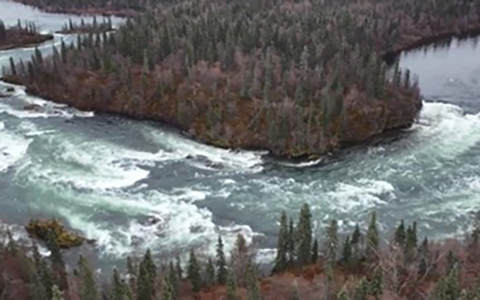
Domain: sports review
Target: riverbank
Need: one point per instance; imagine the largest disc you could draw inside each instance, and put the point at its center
(21, 36)
(81, 11)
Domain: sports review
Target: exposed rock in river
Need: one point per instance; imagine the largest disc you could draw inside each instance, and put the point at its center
(53, 229)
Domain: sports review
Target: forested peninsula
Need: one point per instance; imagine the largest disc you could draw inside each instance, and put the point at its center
(297, 78)
(20, 36)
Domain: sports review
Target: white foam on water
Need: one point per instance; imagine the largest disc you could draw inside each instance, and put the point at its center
(446, 132)
(42, 109)
(89, 165)
(305, 164)
(13, 147)
(248, 161)
(166, 225)
(362, 194)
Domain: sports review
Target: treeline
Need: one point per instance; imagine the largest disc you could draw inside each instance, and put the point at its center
(83, 27)
(92, 6)
(20, 35)
(298, 78)
(355, 267)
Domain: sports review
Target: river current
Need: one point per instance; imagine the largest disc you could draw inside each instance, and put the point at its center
(132, 185)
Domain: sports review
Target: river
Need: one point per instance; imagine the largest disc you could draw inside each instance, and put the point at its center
(132, 185)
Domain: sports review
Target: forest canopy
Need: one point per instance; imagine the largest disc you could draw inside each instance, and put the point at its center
(298, 78)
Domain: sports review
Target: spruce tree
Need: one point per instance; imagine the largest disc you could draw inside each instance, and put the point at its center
(88, 286)
(210, 272)
(331, 242)
(315, 252)
(173, 279)
(400, 235)
(119, 288)
(282, 246)
(411, 239)
(194, 273)
(167, 290)
(231, 286)
(146, 278)
(448, 287)
(178, 268)
(43, 281)
(304, 237)
(221, 263)
(58, 265)
(347, 252)
(376, 284)
(475, 236)
(373, 241)
(253, 287)
(291, 244)
(13, 68)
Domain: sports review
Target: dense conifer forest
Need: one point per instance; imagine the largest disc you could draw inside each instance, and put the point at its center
(20, 36)
(356, 266)
(298, 78)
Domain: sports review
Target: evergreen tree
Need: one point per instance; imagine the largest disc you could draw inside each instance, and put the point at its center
(210, 272)
(315, 252)
(356, 242)
(147, 274)
(282, 245)
(194, 273)
(253, 287)
(291, 244)
(88, 287)
(475, 236)
(119, 288)
(448, 287)
(57, 294)
(347, 252)
(331, 243)
(231, 286)
(43, 281)
(411, 238)
(13, 69)
(376, 284)
(58, 265)
(173, 279)
(373, 241)
(400, 235)
(452, 260)
(221, 263)
(178, 268)
(168, 292)
(304, 237)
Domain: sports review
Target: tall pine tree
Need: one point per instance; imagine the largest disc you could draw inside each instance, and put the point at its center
(88, 286)
(282, 245)
(221, 263)
(304, 237)
(373, 239)
(194, 273)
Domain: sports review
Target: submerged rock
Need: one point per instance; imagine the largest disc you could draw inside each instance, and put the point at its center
(52, 228)
(32, 107)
